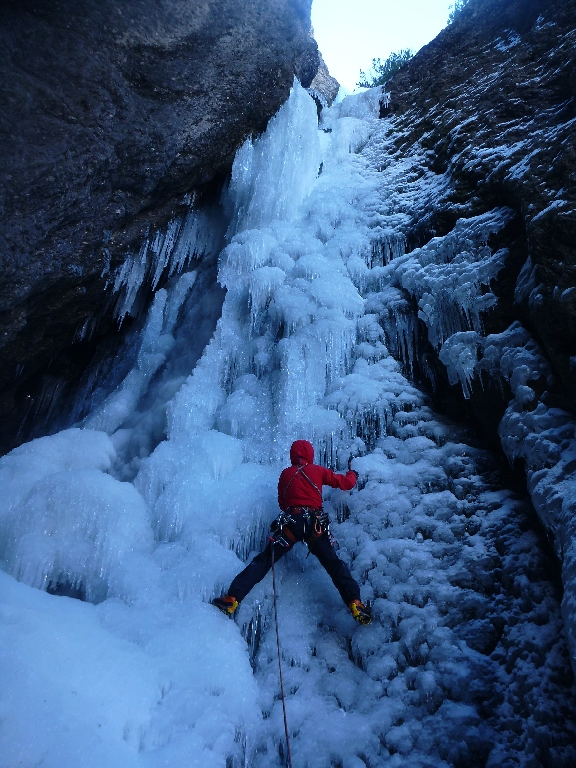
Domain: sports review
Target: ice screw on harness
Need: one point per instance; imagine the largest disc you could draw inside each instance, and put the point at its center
(277, 530)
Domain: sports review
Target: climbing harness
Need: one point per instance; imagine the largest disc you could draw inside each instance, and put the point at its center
(289, 754)
(322, 525)
(316, 518)
(316, 523)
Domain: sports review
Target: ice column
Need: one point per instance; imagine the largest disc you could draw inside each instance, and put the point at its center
(274, 173)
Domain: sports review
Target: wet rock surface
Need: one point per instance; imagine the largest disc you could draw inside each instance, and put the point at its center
(112, 115)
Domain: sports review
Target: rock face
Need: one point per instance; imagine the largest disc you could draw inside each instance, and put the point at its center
(492, 101)
(324, 85)
(480, 137)
(111, 115)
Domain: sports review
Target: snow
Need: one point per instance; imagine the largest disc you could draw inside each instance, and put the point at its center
(153, 505)
(108, 685)
(553, 206)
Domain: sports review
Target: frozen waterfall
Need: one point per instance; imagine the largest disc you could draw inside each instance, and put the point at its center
(148, 507)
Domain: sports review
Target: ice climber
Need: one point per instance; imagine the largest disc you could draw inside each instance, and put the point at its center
(302, 519)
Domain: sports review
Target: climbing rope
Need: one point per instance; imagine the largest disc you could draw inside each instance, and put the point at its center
(280, 660)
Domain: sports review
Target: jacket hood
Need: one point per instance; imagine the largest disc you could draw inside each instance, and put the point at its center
(301, 452)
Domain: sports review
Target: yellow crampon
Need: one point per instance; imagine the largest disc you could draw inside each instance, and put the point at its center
(227, 604)
(360, 612)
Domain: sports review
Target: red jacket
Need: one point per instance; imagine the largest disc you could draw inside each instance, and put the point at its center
(301, 484)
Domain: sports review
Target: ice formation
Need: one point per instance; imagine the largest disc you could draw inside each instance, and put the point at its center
(152, 506)
(186, 238)
(542, 437)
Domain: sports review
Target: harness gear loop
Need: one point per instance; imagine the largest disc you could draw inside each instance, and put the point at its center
(281, 534)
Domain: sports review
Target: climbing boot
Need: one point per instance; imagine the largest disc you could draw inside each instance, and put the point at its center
(227, 604)
(360, 612)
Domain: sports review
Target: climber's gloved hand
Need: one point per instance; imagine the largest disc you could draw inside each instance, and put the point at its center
(350, 460)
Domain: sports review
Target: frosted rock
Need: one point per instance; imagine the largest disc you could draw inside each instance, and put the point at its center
(447, 274)
(156, 343)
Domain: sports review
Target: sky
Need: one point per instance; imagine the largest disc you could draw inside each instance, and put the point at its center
(350, 33)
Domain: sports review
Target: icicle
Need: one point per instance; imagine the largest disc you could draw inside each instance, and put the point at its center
(285, 159)
(459, 354)
(155, 343)
(400, 325)
(130, 278)
(162, 247)
(176, 299)
(263, 284)
(164, 252)
(385, 247)
(446, 276)
(200, 236)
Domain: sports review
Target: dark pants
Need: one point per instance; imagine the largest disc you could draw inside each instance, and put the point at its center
(321, 547)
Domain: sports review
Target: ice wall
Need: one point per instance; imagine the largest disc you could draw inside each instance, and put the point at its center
(149, 528)
(542, 437)
(447, 283)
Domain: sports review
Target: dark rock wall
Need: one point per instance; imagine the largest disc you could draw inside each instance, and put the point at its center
(110, 114)
(493, 100)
